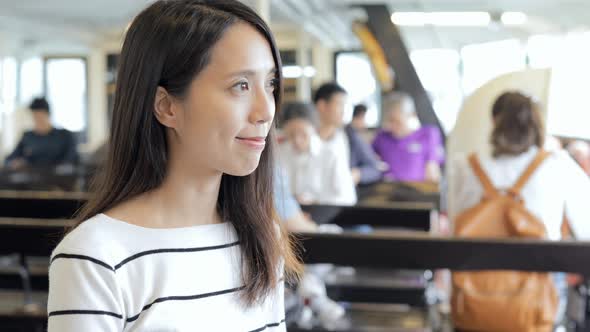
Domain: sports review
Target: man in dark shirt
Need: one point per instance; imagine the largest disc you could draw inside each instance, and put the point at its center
(362, 157)
(358, 118)
(44, 146)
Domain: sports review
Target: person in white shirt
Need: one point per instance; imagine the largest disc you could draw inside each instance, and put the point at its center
(559, 187)
(330, 100)
(180, 232)
(318, 175)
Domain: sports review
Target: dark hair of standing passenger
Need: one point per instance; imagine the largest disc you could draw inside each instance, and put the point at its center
(168, 44)
(517, 125)
(326, 91)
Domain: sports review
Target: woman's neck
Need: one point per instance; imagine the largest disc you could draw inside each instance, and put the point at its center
(185, 198)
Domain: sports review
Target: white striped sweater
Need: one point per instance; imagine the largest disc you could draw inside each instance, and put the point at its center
(109, 275)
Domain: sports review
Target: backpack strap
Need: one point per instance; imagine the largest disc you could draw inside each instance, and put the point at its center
(528, 172)
(488, 186)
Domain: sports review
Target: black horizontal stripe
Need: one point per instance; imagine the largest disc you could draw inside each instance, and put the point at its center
(159, 251)
(87, 258)
(268, 326)
(141, 254)
(160, 300)
(184, 298)
(84, 312)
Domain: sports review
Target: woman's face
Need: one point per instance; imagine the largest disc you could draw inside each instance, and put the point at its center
(229, 107)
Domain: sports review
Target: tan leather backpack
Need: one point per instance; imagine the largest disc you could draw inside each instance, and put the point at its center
(502, 300)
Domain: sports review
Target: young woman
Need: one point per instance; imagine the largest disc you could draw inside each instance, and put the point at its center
(181, 232)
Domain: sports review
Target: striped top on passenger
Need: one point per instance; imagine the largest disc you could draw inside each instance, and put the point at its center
(109, 275)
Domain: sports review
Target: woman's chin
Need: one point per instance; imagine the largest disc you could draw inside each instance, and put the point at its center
(242, 170)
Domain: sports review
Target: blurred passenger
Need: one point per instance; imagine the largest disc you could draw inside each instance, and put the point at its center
(358, 122)
(44, 146)
(412, 152)
(557, 189)
(317, 174)
(329, 100)
(288, 210)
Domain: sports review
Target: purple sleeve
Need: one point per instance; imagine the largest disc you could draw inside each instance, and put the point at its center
(434, 146)
(377, 144)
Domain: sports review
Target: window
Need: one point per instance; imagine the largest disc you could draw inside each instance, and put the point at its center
(543, 50)
(31, 80)
(354, 73)
(567, 110)
(483, 62)
(65, 89)
(439, 72)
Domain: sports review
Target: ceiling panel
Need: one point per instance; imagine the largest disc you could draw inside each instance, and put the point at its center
(327, 20)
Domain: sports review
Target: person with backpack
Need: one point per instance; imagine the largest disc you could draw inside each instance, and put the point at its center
(519, 191)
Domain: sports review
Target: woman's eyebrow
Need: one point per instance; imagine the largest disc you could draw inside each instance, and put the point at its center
(250, 72)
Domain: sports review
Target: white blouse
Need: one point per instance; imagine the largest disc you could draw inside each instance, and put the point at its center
(559, 186)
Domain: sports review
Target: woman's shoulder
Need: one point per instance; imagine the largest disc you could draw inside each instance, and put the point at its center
(556, 161)
(460, 165)
(92, 238)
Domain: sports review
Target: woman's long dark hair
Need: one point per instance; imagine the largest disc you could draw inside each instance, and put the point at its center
(517, 125)
(168, 44)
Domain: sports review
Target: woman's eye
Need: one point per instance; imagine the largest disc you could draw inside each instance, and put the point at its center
(242, 86)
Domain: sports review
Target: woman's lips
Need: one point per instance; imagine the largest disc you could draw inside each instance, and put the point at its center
(257, 143)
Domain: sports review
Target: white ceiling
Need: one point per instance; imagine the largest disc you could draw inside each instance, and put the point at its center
(327, 20)
(544, 16)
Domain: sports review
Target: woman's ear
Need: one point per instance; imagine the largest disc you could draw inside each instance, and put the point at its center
(165, 109)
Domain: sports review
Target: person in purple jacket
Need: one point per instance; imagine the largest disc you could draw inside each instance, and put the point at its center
(413, 153)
